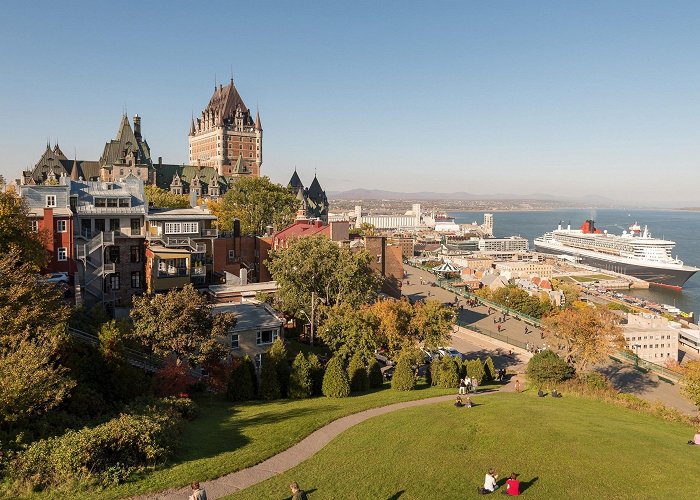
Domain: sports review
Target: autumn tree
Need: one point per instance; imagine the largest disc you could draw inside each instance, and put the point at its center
(319, 267)
(16, 232)
(256, 202)
(347, 330)
(179, 322)
(162, 198)
(432, 323)
(395, 324)
(691, 382)
(584, 336)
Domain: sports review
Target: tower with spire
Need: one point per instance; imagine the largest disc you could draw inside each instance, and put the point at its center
(312, 200)
(226, 136)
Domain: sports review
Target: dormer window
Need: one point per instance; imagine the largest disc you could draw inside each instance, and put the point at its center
(124, 202)
(50, 201)
(100, 202)
(112, 202)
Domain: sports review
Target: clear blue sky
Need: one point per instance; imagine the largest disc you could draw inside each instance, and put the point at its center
(569, 98)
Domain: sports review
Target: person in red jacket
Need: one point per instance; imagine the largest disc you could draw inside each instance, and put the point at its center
(512, 486)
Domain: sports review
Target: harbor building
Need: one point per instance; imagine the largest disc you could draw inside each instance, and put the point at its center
(652, 338)
(524, 269)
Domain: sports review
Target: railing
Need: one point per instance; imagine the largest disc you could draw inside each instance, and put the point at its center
(173, 273)
(178, 241)
(647, 365)
(210, 232)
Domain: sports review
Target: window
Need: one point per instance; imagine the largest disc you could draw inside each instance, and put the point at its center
(61, 226)
(114, 224)
(124, 202)
(266, 337)
(99, 225)
(35, 226)
(114, 254)
(62, 254)
(136, 279)
(50, 200)
(135, 253)
(190, 227)
(234, 341)
(114, 281)
(231, 255)
(172, 228)
(100, 202)
(135, 226)
(112, 202)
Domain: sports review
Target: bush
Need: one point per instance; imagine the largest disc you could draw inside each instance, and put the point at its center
(107, 453)
(429, 374)
(449, 373)
(357, 373)
(475, 369)
(335, 381)
(269, 383)
(316, 375)
(173, 379)
(403, 378)
(374, 374)
(241, 385)
(435, 369)
(547, 368)
(300, 381)
(278, 355)
(596, 382)
(489, 369)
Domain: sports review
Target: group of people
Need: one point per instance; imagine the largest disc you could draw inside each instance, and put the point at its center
(467, 384)
(459, 403)
(491, 485)
(554, 393)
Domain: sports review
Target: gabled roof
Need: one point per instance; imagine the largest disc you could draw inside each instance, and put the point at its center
(225, 101)
(125, 143)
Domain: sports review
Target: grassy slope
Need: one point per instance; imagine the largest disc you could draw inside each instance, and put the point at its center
(566, 448)
(227, 437)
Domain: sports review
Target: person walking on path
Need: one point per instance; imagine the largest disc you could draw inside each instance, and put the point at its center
(475, 384)
(462, 386)
(297, 493)
(197, 492)
(517, 385)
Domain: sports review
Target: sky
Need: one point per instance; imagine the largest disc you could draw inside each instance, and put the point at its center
(569, 99)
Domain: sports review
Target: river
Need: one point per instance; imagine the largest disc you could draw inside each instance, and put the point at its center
(683, 227)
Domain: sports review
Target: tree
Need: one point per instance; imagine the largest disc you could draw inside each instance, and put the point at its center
(335, 381)
(31, 381)
(318, 266)
(546, 368)
(300, 381)
(434, 372)
(585, 336)
(489, 369)
(16, 233)
(449, 373)
(395, 329)
(357, 373)
(432, 323)
(165, 199)
(179, 322)
(347, 330)
(269, 383)
(403, 379)
(241, 386)
(173, 379)
(516, 298)
(475, 369)
(316, 374)
(374, 374)
(256, 202)
(691, 382)
(277, 354)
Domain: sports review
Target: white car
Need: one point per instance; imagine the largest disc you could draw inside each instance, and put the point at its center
(452, 352)
(56, 278)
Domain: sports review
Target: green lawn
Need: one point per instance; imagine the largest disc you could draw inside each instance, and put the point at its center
(591, 277)
(561, 448)
(227, 437)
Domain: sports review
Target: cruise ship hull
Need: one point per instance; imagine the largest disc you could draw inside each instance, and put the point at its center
(674, 277)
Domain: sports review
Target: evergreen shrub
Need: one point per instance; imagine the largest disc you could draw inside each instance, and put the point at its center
(300, 381)
(335, 381)
(374, 374)
(403, 378)
(357, 373)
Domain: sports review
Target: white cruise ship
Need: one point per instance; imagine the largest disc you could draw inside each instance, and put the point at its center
(634, 253)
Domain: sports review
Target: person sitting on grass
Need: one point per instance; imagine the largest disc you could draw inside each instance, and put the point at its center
(468, 403)
(696, 439)
(458, 402)
(512, 486)
(540, 394)
(490, 484)
(297, 493)
(555, 393)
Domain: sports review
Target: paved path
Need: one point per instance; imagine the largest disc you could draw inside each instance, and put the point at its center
(301, 451)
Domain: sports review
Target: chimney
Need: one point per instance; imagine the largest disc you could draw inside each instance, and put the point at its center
(193, 199)
(137, 127)
(236, 228)
(160, 161)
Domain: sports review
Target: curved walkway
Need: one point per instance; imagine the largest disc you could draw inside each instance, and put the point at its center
(291, 457)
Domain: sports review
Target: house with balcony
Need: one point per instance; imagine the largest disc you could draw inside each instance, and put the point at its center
(179, 247)
(109, 233)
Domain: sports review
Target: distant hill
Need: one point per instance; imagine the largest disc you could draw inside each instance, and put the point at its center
(379, 194)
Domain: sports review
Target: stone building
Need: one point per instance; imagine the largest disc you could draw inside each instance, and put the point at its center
(225, 136)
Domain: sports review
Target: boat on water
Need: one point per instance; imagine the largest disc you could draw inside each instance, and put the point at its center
(635, 253)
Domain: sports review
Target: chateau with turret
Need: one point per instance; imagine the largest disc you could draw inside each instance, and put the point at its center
(225, 136)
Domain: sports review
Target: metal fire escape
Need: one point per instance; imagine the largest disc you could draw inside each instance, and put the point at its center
(95, 267)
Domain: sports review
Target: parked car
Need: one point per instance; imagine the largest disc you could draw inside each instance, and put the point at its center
(451, 351)
(381, 356)
(56, 278)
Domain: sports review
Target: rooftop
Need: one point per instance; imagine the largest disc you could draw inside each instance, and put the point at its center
(250, 316)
